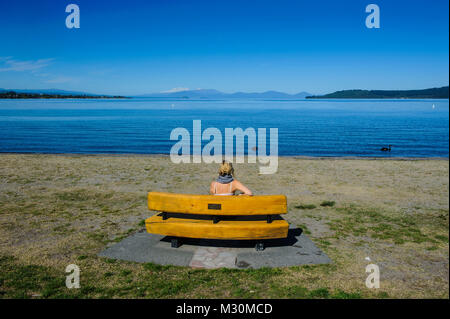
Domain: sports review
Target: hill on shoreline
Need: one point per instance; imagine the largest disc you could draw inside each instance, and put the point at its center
(10, 94)
(433, 93)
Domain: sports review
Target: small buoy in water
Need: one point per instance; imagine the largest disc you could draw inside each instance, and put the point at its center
(433, 106)
(172, 106)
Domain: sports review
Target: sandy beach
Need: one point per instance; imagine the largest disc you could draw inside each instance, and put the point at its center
(63, 209)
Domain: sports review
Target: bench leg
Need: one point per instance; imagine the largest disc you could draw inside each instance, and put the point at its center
(259, 246)
(175, 243)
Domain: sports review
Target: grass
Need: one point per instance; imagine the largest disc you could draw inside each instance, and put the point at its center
(59, 210)
(304, 228)
(152, 281)
(327, 203)
(377, 224)
(306, 206)
(441, 238)
(25, 281)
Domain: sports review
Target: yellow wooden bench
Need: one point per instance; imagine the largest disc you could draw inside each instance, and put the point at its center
(217, 217)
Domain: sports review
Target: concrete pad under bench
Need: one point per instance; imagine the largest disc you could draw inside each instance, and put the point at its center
(296, 249)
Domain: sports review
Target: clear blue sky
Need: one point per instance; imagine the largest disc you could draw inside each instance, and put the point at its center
(133, 47)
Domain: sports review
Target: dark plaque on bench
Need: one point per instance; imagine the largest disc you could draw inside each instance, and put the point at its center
(215, 206)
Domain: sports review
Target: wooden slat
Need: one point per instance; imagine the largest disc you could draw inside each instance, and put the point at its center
(217, 205)
(224, 229)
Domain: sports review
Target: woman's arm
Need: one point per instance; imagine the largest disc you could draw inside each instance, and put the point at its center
(239, 186)
(211, 188)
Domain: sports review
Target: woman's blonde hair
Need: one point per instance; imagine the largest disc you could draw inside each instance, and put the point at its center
(226, 168)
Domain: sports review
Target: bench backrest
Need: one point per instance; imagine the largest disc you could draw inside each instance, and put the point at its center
(217, 205)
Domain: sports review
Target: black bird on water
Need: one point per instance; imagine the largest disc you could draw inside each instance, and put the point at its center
(386, 149)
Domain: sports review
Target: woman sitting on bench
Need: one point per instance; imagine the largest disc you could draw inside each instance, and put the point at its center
(225, 184)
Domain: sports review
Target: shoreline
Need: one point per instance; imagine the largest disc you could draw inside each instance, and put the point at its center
(229, 99)
(305, 157)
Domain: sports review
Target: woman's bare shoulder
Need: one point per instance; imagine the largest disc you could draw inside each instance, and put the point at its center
(237, 182)
(238, 185)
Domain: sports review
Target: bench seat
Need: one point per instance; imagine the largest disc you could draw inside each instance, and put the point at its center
(217, 205)
(234, 229)
(217, 217)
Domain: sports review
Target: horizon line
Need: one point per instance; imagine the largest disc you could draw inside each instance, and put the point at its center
(169, 92)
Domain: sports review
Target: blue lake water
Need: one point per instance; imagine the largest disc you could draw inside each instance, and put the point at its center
(305, 127)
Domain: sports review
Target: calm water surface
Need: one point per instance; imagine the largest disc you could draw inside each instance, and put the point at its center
(415, 128)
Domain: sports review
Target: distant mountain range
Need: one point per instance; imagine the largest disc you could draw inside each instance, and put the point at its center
(433, 93)
(185, 94)
(215, 94)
